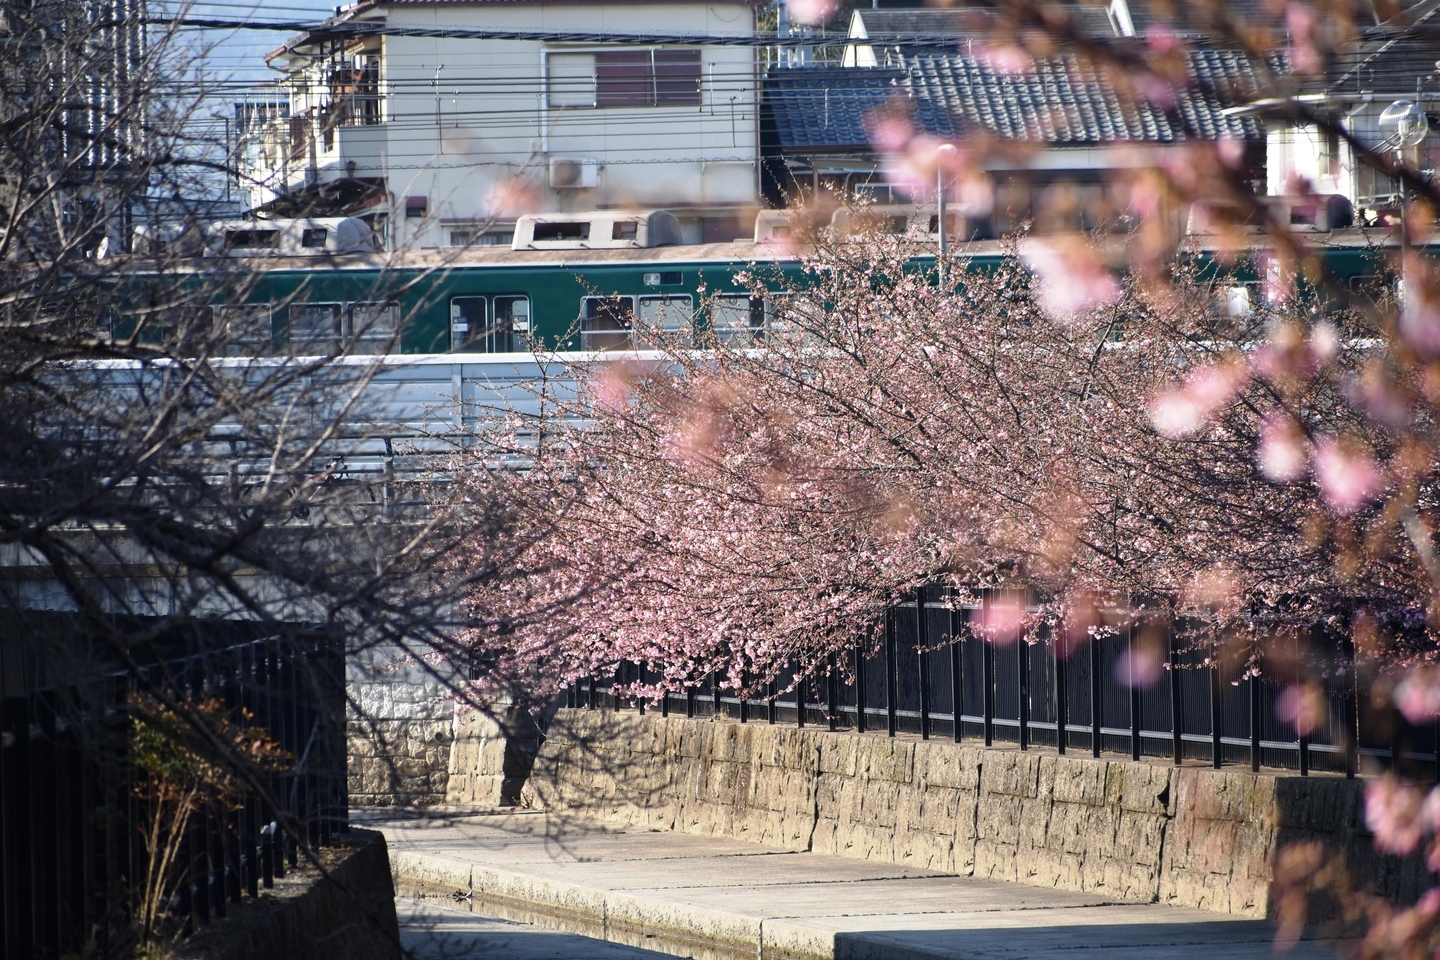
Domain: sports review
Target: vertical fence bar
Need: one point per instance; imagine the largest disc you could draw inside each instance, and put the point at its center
(772, 709)
(1022, 690)
(921, 649)
(1352, 709)
(832, 695)
(1095, 711)
(1217, 756)
(987, 660)
(957, 678)
(1255, 720)
(1134, 697)
(800, 701)
(1177, 721)
(744, 698)
(860, 718)
(715, 690)
(690, 700)
(892, 692)
(1062, 704)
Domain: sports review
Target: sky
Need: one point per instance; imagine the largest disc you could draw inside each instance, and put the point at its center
(238, 56)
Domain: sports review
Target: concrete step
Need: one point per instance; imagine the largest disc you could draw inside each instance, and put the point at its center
(707, 897)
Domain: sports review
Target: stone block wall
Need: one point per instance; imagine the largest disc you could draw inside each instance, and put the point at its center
(399, 728)
(491, 756)
(1147, 832)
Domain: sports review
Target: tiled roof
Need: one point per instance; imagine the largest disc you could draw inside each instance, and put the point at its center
(1061, 100)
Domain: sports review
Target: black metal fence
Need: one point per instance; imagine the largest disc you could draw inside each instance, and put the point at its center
(934, 677)
(73, 859)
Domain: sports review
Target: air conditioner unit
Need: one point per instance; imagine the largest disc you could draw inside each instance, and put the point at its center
(574, 174)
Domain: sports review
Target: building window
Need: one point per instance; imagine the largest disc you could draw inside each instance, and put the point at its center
(490, 238)
(625, 78)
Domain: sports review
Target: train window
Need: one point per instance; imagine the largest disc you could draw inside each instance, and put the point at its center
(1372, 286)
(606, 322)
(512, 315)
(737, 319)
(371, 326)
(244, 329)
(1236, 302)
(313, 238)
(468, 323)
(669, 316)
(562, 230)
(252, 239)
(314, 328)
(624, 230)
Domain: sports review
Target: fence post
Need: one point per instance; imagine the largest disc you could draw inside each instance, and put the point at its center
(772, 709)
(744, 701)
(1255, 720)
(715, 690)
(832, 695)
(1352, 709)
(860, 689)
(690, 700)
(1095, 711)
(1062, 705)
(891, 686)
(1134, 696)
(957, 686)
(988, 679)
(1177, 720)
(1022, 662)
(924, 654)
(800, 701)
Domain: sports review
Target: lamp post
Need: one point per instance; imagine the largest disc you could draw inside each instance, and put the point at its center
(943, 153)
(1410, 126)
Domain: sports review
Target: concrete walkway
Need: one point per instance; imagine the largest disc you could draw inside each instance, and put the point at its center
(722, 899)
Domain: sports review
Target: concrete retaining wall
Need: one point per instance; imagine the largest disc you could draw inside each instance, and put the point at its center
(1188, 836)
(349, 917)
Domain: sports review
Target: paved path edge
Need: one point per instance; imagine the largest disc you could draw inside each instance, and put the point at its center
(632, 919)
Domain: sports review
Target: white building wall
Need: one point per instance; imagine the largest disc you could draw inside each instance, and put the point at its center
(469, 126)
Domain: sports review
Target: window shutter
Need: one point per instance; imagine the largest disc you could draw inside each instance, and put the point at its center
(624, 79)
(677, 77)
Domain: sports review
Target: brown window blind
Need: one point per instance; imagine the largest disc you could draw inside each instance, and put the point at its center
(624, 78)
(645, 78)
(677, 77)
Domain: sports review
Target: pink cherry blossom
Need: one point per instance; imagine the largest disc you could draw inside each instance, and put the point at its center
(1281, 452)
(1073, 281)
(1179, 413)
(1348, 479)
(1394, 813)
(1418, 694)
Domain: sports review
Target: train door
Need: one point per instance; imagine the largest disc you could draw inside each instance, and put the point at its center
(512, 316)
(468, 322)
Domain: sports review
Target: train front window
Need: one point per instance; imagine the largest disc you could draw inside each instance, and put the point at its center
(606, 322)
(665, 318)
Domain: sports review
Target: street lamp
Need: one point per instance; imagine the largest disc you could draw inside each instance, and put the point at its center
(1407, 127)
(944, 154)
